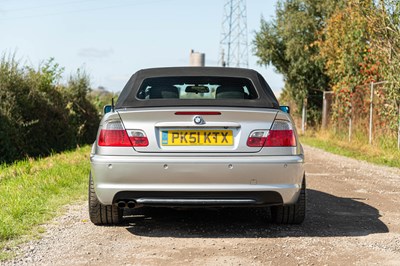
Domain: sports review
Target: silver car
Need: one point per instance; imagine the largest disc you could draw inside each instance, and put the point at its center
(197, 137)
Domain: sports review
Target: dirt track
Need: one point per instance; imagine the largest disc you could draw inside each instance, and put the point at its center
(353, 217)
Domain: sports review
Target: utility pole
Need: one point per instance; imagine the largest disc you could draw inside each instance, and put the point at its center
(233, 43)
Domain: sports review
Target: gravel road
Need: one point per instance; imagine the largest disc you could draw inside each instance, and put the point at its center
(353, 217)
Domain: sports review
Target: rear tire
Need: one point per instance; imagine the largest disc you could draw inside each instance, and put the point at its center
(291, 214)
(102, 214)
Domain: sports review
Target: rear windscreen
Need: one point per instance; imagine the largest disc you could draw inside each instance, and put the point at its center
(197, 88)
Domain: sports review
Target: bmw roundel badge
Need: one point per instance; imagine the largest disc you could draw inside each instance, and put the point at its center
(198, 120)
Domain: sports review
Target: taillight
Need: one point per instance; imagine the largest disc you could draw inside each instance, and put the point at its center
(257, 138)
(281, 134)
(114, 135)
(115, 138)
(138, 138)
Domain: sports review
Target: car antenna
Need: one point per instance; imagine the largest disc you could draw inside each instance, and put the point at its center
(112, 104)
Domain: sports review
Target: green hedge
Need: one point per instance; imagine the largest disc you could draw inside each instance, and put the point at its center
(38, 115)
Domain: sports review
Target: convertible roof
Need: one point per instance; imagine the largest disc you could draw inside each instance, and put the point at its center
(128, 99)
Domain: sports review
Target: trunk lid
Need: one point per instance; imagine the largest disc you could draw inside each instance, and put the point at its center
(197, 130)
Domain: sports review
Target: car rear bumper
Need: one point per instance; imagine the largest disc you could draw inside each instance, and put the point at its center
(159, 180)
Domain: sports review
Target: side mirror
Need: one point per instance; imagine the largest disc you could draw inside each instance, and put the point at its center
(107, 109)
(285, 109)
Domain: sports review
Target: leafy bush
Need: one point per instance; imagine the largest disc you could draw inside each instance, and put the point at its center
(38, 115)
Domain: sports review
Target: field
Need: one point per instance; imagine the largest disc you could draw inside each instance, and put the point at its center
(33, 191)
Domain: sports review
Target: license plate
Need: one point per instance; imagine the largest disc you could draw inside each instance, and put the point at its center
(196, 138)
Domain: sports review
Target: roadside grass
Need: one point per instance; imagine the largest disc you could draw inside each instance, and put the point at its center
(358, 148)
(32, 192)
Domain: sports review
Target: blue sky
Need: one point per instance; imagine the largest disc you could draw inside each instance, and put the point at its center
(113, 39)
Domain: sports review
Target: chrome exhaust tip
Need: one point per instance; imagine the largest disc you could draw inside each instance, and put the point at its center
(121, 204)
(131, 204)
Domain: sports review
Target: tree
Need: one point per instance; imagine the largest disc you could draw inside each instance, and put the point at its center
(349, 60)
(83, 115)
(386, 44)
(386, 29)
(287, 43)
(360, 44)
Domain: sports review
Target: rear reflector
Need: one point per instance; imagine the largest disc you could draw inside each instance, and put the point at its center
(197, 113)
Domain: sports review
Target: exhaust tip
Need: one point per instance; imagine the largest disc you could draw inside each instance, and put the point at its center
(121, 204)
(131, 204)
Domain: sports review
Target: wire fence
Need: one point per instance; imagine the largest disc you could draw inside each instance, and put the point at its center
(366, 112)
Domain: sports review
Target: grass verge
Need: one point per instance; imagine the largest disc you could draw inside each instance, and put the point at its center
(357, 149)
(33, 191)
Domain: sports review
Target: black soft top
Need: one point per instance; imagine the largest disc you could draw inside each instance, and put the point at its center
(128, 97)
